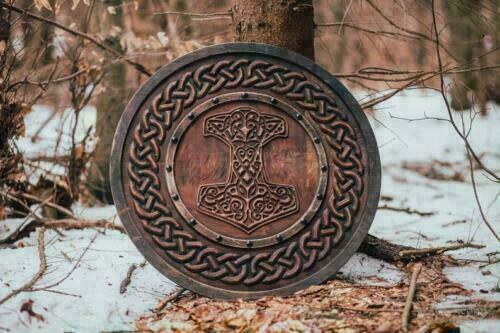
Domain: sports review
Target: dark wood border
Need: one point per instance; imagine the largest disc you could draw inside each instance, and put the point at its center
(373, 168)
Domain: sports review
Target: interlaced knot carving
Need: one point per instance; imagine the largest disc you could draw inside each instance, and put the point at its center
(247, 200)
(198, 255)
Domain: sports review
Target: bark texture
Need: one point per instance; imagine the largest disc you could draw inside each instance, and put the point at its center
(472, 36)
(284, 23)
(110, 106)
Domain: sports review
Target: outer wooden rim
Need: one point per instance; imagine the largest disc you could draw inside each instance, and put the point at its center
(372, 168)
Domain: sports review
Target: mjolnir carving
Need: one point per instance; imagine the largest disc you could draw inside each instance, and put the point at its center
(247, 200)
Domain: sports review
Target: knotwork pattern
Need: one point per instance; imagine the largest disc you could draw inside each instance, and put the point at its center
(201, 256)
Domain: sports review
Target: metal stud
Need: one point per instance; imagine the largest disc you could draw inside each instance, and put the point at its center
(169, 168)
(175, 139)
(215, 100)
(324, 168)
(218, 238)
(244, 95)
(192, 221)
(317, 140)
(175, 197)
(279, 238)
(299, 116)
(319, 196)
(274, 100)
(249, 243)
(191, 116)
(303, 221)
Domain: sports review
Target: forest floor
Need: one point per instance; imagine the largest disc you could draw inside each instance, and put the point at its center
(425, 176)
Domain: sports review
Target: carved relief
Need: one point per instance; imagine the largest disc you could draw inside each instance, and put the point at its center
(201, 257)
(247, 200)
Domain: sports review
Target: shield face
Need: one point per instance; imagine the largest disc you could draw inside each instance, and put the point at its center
(243, 170)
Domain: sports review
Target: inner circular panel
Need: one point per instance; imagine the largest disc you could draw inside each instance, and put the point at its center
(206, 161)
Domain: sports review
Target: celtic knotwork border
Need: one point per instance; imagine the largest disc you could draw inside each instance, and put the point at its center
(267, 267)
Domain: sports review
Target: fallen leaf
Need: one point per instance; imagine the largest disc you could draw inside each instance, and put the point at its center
(39, 4)
(28, 308)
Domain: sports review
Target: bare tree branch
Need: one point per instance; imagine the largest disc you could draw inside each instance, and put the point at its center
(74, 32)
(226, 15)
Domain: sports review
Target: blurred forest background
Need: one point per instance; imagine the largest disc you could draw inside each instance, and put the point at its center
(70, 55)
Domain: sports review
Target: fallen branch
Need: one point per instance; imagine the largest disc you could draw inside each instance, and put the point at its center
(76, 224)
(126, 281)
(170, 298)
(25, 229)
(41, 270)
(381, 249)
(19, 231)
(438, 250)
(405, 318)
(49, 204)
(407, 210)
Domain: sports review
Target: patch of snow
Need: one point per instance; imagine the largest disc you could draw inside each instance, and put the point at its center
(480, 326)
(54, 138)
(8, 226)
(91, 301)
(371, 271)
(474, 278)
(107, 212)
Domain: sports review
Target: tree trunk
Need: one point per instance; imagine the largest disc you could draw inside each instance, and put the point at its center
(110, 105)
(290, 24)
(284, 23)
(467, 31)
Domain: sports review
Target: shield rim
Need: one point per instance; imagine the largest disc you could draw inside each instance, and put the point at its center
(373, 168)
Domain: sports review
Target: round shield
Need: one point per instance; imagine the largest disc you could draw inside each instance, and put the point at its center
(242, 170)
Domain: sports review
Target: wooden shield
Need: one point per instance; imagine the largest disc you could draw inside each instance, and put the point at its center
(243, 170)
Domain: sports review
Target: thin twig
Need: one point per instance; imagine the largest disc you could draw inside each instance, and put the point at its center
(170, 298)
(493, 262)
(390, 34)
(200, 15)
(405, 318)
(439, 249)
(74, 32)
(407, 210)
(41, 270)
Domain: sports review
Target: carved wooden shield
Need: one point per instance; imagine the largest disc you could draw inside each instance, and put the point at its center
(243, 170)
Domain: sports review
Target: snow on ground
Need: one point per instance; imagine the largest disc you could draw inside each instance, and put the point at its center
(93, 301)
(89, 300)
